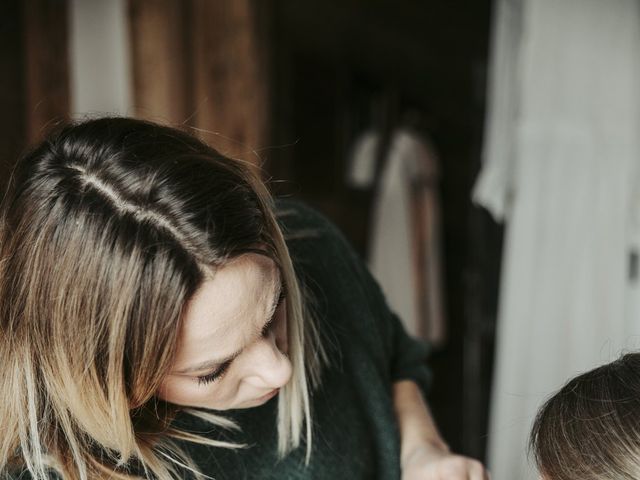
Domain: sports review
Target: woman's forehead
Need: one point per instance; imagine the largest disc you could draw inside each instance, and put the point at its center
(227, 308)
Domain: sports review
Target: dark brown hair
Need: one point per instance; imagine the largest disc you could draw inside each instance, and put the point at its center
(590, 429)
(108, 228)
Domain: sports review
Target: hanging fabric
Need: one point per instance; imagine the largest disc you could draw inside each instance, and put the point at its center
(404, 253)
(361, 173)
(562, 157)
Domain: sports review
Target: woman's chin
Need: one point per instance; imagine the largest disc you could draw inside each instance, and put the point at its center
(255, 402)
(262, 400)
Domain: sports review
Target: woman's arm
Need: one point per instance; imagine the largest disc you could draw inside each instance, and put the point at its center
(424, 455)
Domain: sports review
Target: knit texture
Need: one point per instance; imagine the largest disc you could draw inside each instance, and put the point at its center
(355, 434)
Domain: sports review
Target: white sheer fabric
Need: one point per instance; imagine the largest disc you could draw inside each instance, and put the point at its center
(562, 157)
(99, 51)
(404, 253)
(406, 221)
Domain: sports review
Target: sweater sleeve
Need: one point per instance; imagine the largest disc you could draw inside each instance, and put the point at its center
(407, 356)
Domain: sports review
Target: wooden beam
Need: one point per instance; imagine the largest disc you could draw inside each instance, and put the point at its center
(202, 65)
(161, 60)
(34, 85)
(231, 79)
(12, 96)
(47, 65)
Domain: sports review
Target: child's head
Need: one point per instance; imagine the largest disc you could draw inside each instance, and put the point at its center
(590, 429)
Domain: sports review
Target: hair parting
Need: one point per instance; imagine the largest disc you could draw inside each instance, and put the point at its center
(107, 229)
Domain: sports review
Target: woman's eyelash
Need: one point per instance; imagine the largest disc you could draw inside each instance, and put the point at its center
(283, 293)
(219, 373)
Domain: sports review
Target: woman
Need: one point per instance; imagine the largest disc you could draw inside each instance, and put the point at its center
(156, 323)
(590, 429)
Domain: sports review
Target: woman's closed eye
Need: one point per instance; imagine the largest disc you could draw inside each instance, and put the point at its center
(215, 375)
(219, 372)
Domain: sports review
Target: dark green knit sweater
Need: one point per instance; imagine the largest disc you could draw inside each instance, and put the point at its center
(355, 432)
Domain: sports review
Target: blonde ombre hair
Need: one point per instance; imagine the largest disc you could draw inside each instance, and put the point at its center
(107, 229)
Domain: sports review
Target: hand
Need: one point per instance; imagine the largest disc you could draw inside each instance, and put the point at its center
(426, 463)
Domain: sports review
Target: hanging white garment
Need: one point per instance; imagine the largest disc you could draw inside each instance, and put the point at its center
(404, 253)
(561, 159)
(99, 49)
(361, 173)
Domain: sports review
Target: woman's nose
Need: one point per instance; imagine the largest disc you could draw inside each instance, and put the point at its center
(266, 366)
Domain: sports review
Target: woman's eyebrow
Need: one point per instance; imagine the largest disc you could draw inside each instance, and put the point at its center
(213, 363)
(207, 364)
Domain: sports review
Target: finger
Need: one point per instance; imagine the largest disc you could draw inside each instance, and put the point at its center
(476, 471)
(457, 468)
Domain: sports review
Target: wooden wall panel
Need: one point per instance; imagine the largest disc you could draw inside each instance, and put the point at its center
(203, 65)
(34, 85)
(161, 60)
(12, 118)
(47, 65)
(231, 80)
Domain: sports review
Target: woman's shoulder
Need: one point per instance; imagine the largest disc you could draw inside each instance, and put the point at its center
(300, 221)
(310, 235)
(315, 242)
(328, 265)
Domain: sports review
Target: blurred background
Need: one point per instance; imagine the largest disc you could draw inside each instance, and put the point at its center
(482, 156)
